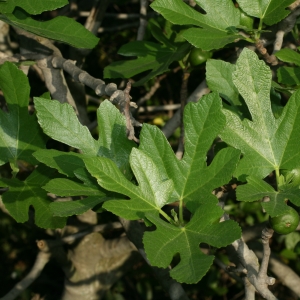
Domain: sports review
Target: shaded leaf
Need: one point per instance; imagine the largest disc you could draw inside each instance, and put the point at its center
(20, 134)
(83, 175)
(288, 55)
(66, 187)
(219, 79)
(158, 34)
(76, 207)
(215, 24)
(170, 240)
(289, 75)
(64, 162)
(61, 29)
(22, 194)
(151, 56)
(33, 7)
(256, 189)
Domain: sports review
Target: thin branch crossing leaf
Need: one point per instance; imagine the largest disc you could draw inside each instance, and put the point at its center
(202, 228)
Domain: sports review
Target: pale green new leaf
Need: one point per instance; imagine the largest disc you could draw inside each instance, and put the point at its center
(270, 11)
(267, 143)
(23, 194)
(193, 180)
(150, 195)
(61, 29)
(151, 56)
(60, 122)
(221, 15)
(170, 240)
(20, 134)
(33, 7)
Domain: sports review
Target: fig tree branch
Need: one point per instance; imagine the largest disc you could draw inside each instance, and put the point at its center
(40, 262)
(143, 20)
(283, 272)
(98, 85)
(286, 25)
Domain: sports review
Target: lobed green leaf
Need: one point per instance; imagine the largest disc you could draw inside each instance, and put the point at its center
(256, 189)
(267, 143)
(193, 180)
(170, 240)
(270, 11)
(151, 56)
(216, 23)
(60, 122)
(22, 194)
(149, 196)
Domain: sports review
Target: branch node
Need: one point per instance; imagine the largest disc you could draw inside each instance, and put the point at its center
(110, 88)
(100, 89)
(270, 280)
